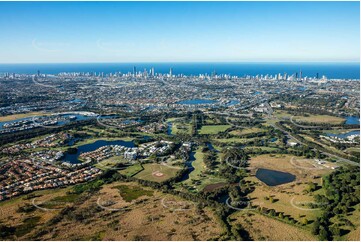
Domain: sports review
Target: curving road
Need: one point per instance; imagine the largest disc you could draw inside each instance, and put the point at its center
(303, 126)
(323, 152)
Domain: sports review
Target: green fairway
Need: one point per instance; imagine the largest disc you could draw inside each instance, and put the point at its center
(197, 180)
(213, 129)
(246, 131)
(181, 128)
(234, 140)
(250, 148)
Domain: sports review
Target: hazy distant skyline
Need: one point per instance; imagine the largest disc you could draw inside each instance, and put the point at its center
(71, 32)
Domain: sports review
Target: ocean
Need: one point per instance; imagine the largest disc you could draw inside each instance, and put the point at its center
(330, 70)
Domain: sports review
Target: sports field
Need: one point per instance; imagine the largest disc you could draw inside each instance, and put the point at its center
(157, 172)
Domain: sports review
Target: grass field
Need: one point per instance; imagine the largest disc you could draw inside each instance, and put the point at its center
(147, 211)
(197, 180)
(157, 172)
(234, 140)
(319, 119)
(132, 170)
(60, 201)
(290, 193)
(260, 147)
(312, 118)
(213, 129)
(92, 140)
(261, 227)
(246, 131)
(198, 165)
(20, 115)
(130, 193)
(282, 114)
(181, 128)
(111, 162)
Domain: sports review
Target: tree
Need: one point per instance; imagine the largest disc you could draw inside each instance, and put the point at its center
(336, 231)
(316, 227)
(304, 221)
(323, 234)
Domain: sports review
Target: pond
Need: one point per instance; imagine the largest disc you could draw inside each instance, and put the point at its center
(352, 120)
(169, 128)
(197, 101)
(344, 135)
(189, 166)
(210, 147)
(73, 158)
(273, 139)
(274, 178)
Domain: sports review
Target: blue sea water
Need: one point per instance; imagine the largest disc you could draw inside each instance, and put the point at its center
(330, 70)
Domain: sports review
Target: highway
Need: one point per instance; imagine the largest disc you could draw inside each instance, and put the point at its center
(270, 112)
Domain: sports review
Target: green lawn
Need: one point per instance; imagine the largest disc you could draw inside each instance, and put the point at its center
(213, 129)
(246, 131)
(234, 140)
(132, 170)
(111, 162)
(260, 147)
(181, 128)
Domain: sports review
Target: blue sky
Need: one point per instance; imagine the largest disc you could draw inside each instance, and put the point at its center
(59, 32)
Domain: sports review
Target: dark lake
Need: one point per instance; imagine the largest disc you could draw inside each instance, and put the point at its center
(210, 147)
(169, 128)
(73, 158)
(189, 166)
(274, 178)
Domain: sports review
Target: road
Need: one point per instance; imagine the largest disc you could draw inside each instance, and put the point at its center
(303, 126)
(270, 112)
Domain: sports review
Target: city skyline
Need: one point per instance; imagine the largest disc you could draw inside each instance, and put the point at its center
(118, 32)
